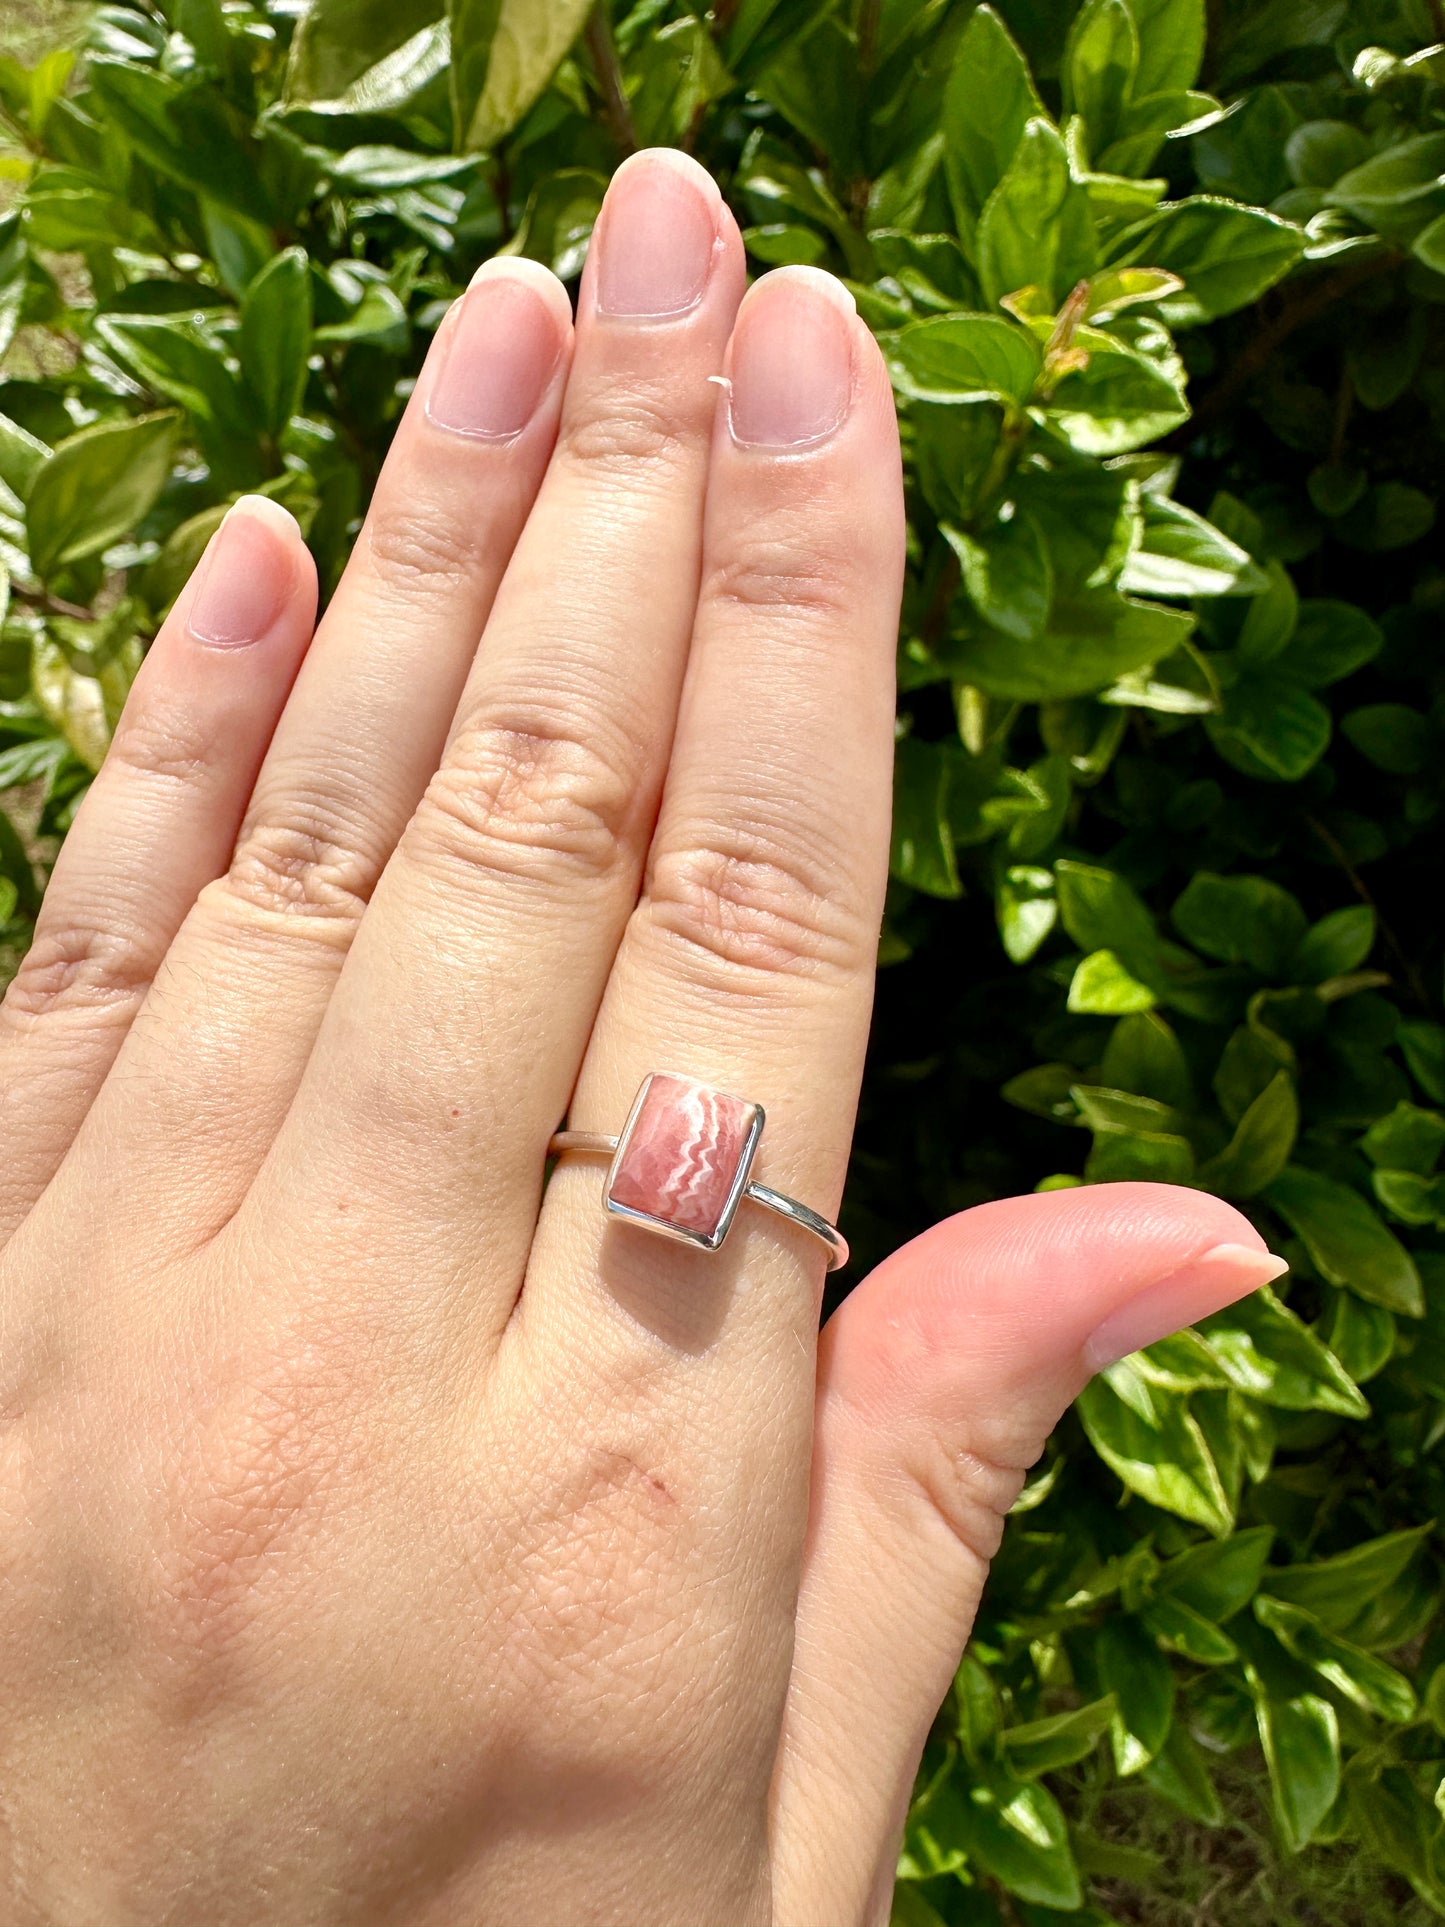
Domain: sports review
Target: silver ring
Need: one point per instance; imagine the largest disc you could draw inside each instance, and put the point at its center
(681, 1164)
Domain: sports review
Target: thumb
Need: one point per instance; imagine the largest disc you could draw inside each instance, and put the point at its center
(939, 1381)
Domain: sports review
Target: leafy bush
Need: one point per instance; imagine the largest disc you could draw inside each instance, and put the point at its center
(1171, 723)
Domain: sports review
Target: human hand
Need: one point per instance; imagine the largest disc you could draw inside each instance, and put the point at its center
(381, 1541)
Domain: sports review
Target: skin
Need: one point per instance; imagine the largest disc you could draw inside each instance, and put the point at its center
(382, 1540)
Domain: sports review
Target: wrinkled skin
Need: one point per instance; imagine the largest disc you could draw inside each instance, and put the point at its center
(382, 1540)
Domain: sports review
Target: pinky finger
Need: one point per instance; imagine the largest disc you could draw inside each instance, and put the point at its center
(158, 824)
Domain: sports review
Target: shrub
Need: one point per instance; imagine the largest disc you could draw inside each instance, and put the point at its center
(1171, 724)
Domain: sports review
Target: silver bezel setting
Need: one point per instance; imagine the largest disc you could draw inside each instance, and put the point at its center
(702, 1241)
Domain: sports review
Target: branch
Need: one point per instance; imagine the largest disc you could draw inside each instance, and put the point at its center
(1308, 305)
(1362, 890)
(603, 50)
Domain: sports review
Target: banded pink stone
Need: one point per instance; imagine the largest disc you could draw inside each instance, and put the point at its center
(680, 1156)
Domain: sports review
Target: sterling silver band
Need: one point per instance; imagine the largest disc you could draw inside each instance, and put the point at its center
(598, 1145)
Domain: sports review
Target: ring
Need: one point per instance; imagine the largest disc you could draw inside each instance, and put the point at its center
(681, 1165)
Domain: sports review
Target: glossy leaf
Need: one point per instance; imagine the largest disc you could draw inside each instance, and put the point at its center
(1346, 1240)
(96, 486)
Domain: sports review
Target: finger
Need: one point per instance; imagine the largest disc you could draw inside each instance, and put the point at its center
(749, 961)
(158, 823)
(939, 1380)
(455, 1035)
(220, 1053)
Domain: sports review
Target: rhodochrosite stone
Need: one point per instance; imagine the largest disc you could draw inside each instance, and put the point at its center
(680, 1158)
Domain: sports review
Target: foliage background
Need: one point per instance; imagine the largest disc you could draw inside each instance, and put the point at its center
(1162, 295)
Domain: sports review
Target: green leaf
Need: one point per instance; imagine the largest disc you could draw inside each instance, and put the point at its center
(1026, 909)
(1369, 1682)
(337, 41)
(1015, 1831)
(275, 339)
(1270, 620)
(21, 456)
(1392, 516)
(1397, 1824)
(184, 364)
(504, 52)
(1187, 1632)
(1320, 151)
(979, 1714)
(1395, 738)
(1225, 254)
(1240, 919)
(1102, 987)
(1217, 1581)
(1036, 229)
(1152, 1157)
(1006, 573)
(1346, 1240)
(958, 357)
(1160, 1454)
(1180, 554)
(923, 853)
(1338, 943)
(1117, 401)
(1407, 179)
(96, 486)
(1181, 1775)
(1271, 1355)
(1144, 1055)
(1171, 44)
(1408, 1139)
(1101, 59)
(1090, 641)
(1043, 1746)
(1301, 1740)
(1100, 910)
(1423, 1046)
(989, 101)
(1260, 1147)
(9, 896)
(1141, 1680)
(1334, 1589)
(1272, 727)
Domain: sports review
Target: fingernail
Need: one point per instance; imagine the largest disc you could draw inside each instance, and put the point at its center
(656, 238)
(500, 351)
(246, 574)
(792, 359)
(1204, 1285)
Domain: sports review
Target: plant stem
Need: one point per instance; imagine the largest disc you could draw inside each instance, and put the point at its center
(603, 51)
(1362, 890)
(1308, 305)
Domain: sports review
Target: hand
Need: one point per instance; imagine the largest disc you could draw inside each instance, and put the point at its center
(381, 1540)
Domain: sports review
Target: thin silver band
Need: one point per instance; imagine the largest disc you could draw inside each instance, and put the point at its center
(599, 1145)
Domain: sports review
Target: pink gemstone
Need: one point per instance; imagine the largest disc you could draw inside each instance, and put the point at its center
(680, 1158)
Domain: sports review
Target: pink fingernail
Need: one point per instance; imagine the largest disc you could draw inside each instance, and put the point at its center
(792, 360)
(499, 353)
(656, 237)
(246, 574)
(1205, 1284)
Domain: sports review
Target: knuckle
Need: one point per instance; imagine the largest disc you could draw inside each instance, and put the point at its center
(420, 546)
(967, 1490)
(162, 743)
(614, 428)
(303, 866)
(79, 966)
(781, 575)
(527, 796)
(741, 898)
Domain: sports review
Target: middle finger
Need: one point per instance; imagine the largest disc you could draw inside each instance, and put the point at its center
(451, 1044)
